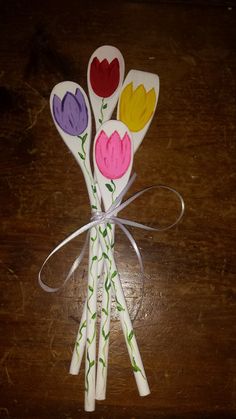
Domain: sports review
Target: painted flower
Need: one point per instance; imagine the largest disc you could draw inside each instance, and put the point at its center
(104, 76)
(113, 154)
(136, 106)
(71, 112)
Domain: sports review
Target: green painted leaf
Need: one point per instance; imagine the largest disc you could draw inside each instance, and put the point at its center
(94, 258)
(90, 288)
(84, 138)
(91, 364)
(105, 255)
(114, 274)
(109, 187)
(107, 285)
(136, 368)
(102, 362)
(131, 335)
(81, 156)
(94, 316)
(104, 233)
(104, 334)
(109, 225)
(105, 311)
(112, 245)
(119, 307)
(94, 207)
(94, 188)
(88, 340)
(104, 106)
(93, 239)
(100, 120)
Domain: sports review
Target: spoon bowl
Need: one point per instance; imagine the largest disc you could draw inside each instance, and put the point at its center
(105, 76)
(137, 103)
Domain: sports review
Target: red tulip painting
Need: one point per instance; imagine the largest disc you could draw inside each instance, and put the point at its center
(113, 154)
(104, 77)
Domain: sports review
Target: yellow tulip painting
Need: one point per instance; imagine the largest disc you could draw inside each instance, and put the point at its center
(136, 106)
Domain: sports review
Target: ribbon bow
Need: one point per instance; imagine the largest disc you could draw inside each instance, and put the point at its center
(109, 216)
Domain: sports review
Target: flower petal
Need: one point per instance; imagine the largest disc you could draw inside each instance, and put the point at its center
(83, 110)
(126, 153)
(57, 112)
(125, 104)
(101, 151)
(71, 114)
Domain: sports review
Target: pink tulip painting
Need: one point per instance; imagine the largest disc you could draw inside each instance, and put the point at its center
(113, 154)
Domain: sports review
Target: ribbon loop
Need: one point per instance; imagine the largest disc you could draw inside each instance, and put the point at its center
(101, 217)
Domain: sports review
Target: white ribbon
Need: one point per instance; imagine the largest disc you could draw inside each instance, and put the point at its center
(101, 217)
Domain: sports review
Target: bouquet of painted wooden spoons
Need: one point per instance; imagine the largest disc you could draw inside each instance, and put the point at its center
(114, 146)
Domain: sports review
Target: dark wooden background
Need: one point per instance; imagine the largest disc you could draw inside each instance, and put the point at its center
(185, 315)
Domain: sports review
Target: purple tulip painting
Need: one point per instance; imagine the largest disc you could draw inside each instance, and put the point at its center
(113, 154)
(71, 113)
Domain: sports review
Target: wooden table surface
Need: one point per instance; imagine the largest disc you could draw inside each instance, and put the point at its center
(184, 315)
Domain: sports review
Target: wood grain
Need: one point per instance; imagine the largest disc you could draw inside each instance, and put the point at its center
(185, 319)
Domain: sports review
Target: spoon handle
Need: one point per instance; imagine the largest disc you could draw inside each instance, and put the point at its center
(113, 282)
(80, 342)
(91, 304)
(91, 315)
(104, 336)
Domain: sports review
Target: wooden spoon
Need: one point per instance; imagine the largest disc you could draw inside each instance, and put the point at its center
(132, 104)
(72, 117)
(113, 158)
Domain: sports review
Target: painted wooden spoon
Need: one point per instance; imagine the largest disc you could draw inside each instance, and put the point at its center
(137, 105)
(113, 158)
(72, 117)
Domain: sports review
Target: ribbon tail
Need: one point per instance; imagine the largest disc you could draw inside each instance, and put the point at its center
(74, 266)
(123, 221)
